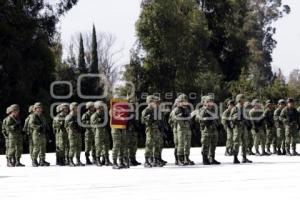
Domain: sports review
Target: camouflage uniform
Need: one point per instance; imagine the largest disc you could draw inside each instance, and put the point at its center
(290, 118)
(119, 144)
(5, 135)
(74, 135)
(229, 129)
(132, 133)
(280, 129)
(28, 131)
(89, 137)
(240, 133)
(106, 147)
(248, 130)
(173, 125)
(270, 128)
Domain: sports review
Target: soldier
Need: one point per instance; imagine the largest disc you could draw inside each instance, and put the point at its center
(107, 143)
(228, 127)
(38, 125)
(89, 137)
(61, 135)
(150, 119)
(13, 129)
(74, 135)
(5, 134)
(280, 129)
(250, 139)
(258, 129)
(183, 128)
(173, 125)
(208, 120)
(240, 135)
(28, 131)
(270, 127)
(290, 117)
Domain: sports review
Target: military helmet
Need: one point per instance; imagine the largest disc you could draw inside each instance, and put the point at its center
(268, 102)
(37, 105)
(239, 97)
(14, 107)
(58, 108)
(98, 104)
(182, 97)
(89, 105)
(290, 100)
(281, 101)
(150, 98)
(63, 105)
(209, 98)
(203, 98)
(230, 102)
(30, 109)
(73, 105)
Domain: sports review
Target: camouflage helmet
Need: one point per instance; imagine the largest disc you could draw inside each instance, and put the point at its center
(230, 102)
(281, 101)
(150, 98)
(182, 97)
(239, 97)
(30, 109)
(209, 98)
(14, 107)
(98, 104)
(73, 105)
(255, 101)
(268, 102)
(8, 110)
(37, 105)
(290, 100)
(63, 105)
(58, 108)
(89, 105)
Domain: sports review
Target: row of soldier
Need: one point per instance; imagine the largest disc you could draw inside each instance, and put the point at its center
(245, 127)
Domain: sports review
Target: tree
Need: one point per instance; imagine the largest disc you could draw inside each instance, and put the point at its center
(81, 57)
(94, 65)
(294, 84)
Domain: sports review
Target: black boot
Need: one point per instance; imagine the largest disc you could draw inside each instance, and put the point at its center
(181, 161)
(71, 163)
(134, 162)
(9, 163)
(205, 160)
(283, 152)
(122, 164)
(162, 161)
(95, 160)
(126, 162)
(43, 163)
(268, 150)
(279, 153)
(288, 153)
(295, 153)
(102, 160)
(67, 161)
(115, 164)
(157, 163)
(35, 163)
(176, 157)
(245, 160)
(213, 161)
(79, 163)
(57, 159)
(107, 161)
(227, 152)
(257, 153)
(250, 152)
(147, 163)
(188, 161)
(18, 163)
(87, 158)
(274, 150)
(264, 153)
(236, 160)
(98, 162)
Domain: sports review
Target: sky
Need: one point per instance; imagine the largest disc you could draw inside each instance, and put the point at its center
(118, 17)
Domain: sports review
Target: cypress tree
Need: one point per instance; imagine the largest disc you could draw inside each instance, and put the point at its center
(94, 64)
(81, 59)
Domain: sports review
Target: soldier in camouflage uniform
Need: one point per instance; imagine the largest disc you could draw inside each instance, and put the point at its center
(270, 127)
(150, 119)
(38, 125)
(61, 135)
(5, 135)
(89, 137)
(250, 139)
(290, 117)
(183, 128)
(28, 131)
(74, 135)
(13, 129)
(209, 124)
(228, 127)
(280, 129)
(240, 133)
(258, 129)
(173, 125)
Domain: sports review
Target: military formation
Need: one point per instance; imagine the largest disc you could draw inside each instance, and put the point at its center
(265, 128)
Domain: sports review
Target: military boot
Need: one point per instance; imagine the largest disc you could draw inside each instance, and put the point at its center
(9, 163)
(71, 163)
(245, 160)
(162, 161)
(79, 163)
(157, 163)
(236, 160)
(98, 162)
(147, 163)
(268, 150)
(279, 153)
(122, 164)
(35, 163)
(295, 153)
(67, 161)
(151, 160)
(176, 157)
(227, 152)
(205, 160)
(283, 152)
(43, 163)
(18, 163)
(264, 153)
(134, 162)
(257, 153)
(127, 162)
(88, 162)
(115, 164)
(288, 153)
(95, 160)
(57, 159)
(188, 161)
(274, 150)
(102, 160)
(107, 161)
(213, 161)
(181, 161)
(250, 152)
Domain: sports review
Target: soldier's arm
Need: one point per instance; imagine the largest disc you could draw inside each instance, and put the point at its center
(35, 124)
(234, 114)
(283, 116)
(11, 124)
(3, 128)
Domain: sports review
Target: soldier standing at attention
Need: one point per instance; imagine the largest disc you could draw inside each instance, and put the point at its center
(290, 117)
(107, 143)
(258, 129)
(240, 135)
(183, 127)
(61, 134)
(5, 135)
(280, 129)
(208, 120)
(13, 129)
(28, 131)
(89, 137)
(250, 139)
(150, 119)
(270, 127)
(228, 127)
(74, 135)
(173, 125)
(37, 124)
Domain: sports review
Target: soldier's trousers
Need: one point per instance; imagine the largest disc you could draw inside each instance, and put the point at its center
(30, 143)
(15, 149)
(229, 141)
(153, 142)
(250, 139)
(61, 144)
(291, 137)
(184, 141)
(99, 141)
(280, 138)
(39, 145)
(209, 141)
(161, 145)
(118, 137)
(240, 138)
(132, 137)
(259, 139)
(74, 145)
(6, 146)
(175, 139)
(89, 141)
(271, 137)
(106, 146)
